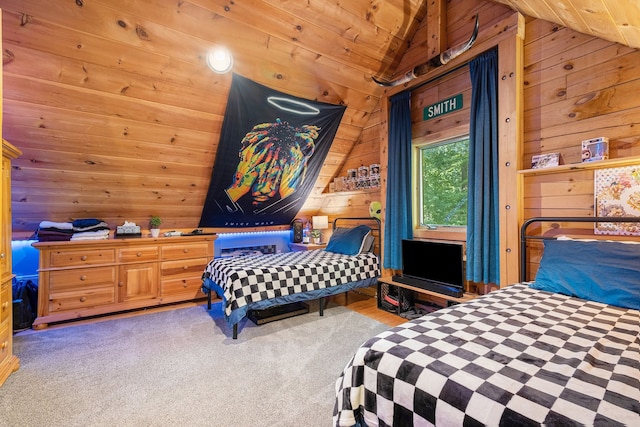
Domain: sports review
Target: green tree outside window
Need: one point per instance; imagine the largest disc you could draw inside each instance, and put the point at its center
(444, 183)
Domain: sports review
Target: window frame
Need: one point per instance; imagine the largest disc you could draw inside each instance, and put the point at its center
(445, 232)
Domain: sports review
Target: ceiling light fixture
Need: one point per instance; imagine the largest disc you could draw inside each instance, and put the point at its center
(219, 60)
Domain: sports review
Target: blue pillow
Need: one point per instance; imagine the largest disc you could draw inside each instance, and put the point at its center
(348, 241)
(607, 272)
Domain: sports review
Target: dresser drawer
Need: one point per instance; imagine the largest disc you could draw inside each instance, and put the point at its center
(190, 286)
(186, 250)
(138, 253)
(90, 296)
(5, 341)
(81, 257)
(6, 301)
(192, 267)
(80, 278)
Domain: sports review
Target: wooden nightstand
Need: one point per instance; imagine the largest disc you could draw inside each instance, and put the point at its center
(299, 247)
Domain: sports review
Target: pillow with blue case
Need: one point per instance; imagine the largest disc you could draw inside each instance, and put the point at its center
(602, 271)
(348, 241)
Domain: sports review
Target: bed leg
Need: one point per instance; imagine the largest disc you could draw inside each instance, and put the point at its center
(235, 331)
(322, 306)
(209, 299)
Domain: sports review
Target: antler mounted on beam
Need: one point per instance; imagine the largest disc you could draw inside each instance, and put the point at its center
(436, 62)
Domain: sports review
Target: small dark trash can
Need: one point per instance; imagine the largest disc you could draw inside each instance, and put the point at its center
(25, 303)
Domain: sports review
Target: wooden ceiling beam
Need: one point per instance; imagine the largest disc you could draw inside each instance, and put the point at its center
(437, 28)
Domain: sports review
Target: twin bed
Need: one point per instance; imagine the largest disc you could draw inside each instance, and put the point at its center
(257, 282)
(561, 350)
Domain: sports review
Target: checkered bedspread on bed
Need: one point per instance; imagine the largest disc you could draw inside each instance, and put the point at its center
(253, 278)
(514, 357)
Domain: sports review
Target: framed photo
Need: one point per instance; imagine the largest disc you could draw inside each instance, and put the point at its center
(545, 160)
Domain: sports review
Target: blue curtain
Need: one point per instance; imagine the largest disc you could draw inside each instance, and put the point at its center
(398, 224)
(483, 258)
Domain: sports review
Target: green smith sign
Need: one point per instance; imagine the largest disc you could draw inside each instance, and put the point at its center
(442, 107)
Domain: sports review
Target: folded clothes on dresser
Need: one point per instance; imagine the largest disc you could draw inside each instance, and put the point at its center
(91, 235)
(79, 229)
(56, 225)
(53, 235)
(99, 226)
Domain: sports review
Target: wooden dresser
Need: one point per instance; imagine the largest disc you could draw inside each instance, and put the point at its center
(86, 278)
(8, 361)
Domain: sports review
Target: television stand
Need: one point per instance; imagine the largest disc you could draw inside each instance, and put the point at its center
(444, 300)
(430, 286)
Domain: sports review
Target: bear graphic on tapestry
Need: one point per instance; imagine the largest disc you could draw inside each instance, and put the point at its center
(272, 147)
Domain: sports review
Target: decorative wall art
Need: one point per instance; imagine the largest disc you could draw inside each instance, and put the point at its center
(272, 147)
(617, 194)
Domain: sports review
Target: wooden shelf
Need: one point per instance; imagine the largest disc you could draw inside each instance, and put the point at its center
(610, 163)
(352, 192)
(466, 297)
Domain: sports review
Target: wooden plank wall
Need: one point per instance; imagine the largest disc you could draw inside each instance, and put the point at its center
(498, 27)
(365, 152)
(575, 87)
(119, 117)
(448, 125)
(367, 149)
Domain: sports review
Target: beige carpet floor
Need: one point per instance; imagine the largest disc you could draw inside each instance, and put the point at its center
(181, 367)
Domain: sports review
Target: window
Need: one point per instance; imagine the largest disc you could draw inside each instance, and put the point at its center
(443, 183)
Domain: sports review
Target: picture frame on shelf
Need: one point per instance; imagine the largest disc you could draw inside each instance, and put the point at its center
(542, 161)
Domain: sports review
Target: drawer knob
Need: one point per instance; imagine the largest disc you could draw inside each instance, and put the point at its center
(5, 305)
(120, 284)
(185, 250)
(83, 299)
(2, 255)
(83, 258)
(184, 283)
(83, 277)
(5, 344)
(139, 254)
(186, 267)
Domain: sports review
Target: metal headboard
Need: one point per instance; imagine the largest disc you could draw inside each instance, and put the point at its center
(524, 237)
(378, 227)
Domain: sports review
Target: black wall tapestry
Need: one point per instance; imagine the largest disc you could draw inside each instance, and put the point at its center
(272, 147)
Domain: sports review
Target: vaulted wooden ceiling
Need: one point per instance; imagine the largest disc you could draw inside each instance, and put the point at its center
(614, 20)
(119, 116)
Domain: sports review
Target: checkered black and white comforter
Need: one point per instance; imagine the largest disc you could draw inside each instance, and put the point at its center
(249, 279)
(514, 357)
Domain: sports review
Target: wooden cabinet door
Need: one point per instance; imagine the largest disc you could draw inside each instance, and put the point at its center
(138, 281)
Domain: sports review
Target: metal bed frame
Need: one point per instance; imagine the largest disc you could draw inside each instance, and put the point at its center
(524, 237)
(335, 225)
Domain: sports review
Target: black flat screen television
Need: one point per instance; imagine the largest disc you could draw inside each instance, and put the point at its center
(436, 266)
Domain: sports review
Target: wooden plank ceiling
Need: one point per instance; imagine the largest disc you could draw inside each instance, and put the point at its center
(119, 117)
(614, 20)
